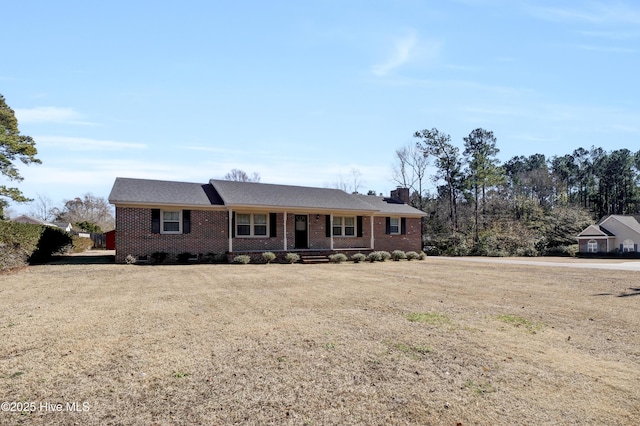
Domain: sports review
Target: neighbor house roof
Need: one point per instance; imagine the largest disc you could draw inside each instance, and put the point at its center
(160, 192)
(629, 221)
(269, 195)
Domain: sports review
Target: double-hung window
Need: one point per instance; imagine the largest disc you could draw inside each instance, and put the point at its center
(394, 225)
(251, 225)
(344, 226)
(171, 222)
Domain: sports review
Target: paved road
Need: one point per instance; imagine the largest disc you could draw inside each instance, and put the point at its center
(623, 265)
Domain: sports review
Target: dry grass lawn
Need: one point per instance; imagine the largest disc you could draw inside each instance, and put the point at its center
(431, 342)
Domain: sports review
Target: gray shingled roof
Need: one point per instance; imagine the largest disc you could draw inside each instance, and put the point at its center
(263, 194)
(391, 207)
(145, 191)
(235, 194)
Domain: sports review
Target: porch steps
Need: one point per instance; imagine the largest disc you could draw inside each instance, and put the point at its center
(314, 259)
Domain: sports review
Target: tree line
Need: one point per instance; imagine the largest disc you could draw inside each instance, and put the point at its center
(527, 205)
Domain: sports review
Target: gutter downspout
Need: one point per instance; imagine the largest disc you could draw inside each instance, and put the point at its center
(284, 233)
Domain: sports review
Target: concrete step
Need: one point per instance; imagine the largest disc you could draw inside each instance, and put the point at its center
(314, 259)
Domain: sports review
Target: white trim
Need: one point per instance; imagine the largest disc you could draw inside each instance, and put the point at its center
(372, 237)
(343, 226)
(163, 221)
(230, 230)
(331, 230)
(252, 225)
(284, 232)
(399, 225)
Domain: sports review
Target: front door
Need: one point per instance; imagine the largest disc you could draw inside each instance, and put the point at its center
(301, 235)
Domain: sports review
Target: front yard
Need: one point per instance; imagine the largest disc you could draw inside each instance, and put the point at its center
(430, 342)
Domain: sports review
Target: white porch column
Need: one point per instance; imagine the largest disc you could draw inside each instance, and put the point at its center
(230, 230)
(373, 240)
(284, 231)
(331, 230)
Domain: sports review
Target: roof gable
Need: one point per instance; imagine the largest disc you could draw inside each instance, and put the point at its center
(628, 221)
(594, 231)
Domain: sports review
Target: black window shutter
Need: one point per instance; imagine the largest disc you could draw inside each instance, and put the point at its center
(328, 225)
(186, 221)
(359, 226)
(387, 225)
(273, 225)
(621, 247)
(155, 221)
(403, 225)
(635, 247)
(233, 224)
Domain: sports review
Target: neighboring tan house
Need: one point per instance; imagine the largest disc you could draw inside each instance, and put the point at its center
(614, 233)
(228, 217)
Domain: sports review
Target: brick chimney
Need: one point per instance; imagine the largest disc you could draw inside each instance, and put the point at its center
(401, 194)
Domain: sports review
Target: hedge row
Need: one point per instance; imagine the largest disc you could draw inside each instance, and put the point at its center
(24, 243)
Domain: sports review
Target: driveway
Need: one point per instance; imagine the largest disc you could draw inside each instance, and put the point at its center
(617, 264)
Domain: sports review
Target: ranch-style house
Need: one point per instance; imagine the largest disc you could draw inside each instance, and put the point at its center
(229, 218)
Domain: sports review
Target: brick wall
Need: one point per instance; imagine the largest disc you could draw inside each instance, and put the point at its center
(134, 237)
(209, 234)
(411, 241)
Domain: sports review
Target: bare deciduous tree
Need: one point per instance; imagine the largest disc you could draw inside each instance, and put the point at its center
(241, 176)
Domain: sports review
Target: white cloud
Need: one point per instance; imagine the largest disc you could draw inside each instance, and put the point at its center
(407, 49)
(85, 144)
(50, 115)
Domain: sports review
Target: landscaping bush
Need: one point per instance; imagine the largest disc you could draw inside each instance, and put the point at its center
(398, 255)
(186, 257)
(130, 259)
(374, 256)
(358, 257)
(338, 258)
(52, 241)
(268, 256)
(384, 255)
(291, 257)
(422, 256)
(17, 242)
(158, 256)
(242, 259)
(81, 244)
(412, 255)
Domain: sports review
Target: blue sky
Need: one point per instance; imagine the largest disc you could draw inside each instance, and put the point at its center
(304, 92)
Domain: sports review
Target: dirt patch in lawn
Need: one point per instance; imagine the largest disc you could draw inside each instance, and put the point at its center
(431, 342)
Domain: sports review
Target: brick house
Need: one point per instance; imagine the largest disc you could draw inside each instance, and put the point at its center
(613, 234)
(228, 217)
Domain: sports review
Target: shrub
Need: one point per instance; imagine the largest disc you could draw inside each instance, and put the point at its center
(52, 241)
(338, 258)
(374, 256)
(412, 255)
(242, 259)
(81, 244)
(17, 242)
(185, 257)
(130, 259)
(422, 255)
(291, 257)
(211, 257)
(385, 255)
(268, 256)
(358, 257)
(398, 255)
(158, 257)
